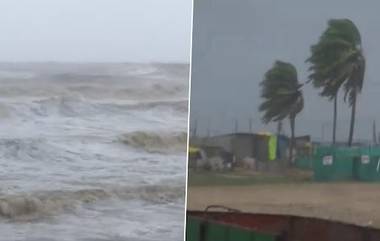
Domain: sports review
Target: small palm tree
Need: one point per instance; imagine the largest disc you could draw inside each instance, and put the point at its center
(337, 61)
(282, 97)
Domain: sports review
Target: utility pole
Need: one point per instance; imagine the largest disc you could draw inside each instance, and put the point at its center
(208, 128)
(323, 132)
(325, 125)
(195, 128)
(374, 137)
(250, 124)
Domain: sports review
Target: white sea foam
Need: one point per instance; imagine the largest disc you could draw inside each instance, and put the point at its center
(86, 151)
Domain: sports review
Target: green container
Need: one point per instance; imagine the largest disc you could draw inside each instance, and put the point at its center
(335, 163)
(217, 232)
(322, 170)
(222, 232)
(375, 164)
(368, 165)
(193, 229)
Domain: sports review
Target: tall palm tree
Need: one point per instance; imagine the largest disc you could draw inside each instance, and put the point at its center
(337, 61)
(282, 97)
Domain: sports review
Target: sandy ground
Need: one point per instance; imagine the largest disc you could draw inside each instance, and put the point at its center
(348, 202)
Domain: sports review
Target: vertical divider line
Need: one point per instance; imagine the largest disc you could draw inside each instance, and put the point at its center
(188, 118)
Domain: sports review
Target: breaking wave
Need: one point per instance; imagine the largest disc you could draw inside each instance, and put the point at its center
(161, 142)
(73, 106)
(63, 105)
(177, 105)
(41, 204)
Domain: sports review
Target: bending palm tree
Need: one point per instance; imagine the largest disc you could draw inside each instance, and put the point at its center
(337, 60)
(282, 97)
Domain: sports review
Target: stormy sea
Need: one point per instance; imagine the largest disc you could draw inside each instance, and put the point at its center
(92, 151)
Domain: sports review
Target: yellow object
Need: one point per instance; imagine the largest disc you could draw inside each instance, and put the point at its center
(263, 133)
(272, 147)
(308, 145)
(193, 150)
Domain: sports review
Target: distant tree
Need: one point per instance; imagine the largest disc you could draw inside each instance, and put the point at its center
(282, 96)
(337, 61)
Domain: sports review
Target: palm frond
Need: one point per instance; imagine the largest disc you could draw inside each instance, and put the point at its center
(336, 59)
(281, 92)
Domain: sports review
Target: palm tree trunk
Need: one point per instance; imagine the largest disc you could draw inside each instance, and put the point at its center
(292, 140)
(335, 119)
(352, 124)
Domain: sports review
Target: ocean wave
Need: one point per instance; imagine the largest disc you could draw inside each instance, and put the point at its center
(73, 106)
(152, 91)
(176, 105)
(4, 111)
(139, 91)
(16, 75)
(25, 149)
(62, 105)
(160, 142)
(47, 203)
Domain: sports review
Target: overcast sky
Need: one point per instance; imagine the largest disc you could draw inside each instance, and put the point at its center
(95, 30)
(236, 42)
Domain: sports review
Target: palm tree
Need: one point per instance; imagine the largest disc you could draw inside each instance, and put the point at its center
(337, 61)
(282, 97)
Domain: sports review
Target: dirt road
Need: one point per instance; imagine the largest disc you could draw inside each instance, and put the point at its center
(348, 202)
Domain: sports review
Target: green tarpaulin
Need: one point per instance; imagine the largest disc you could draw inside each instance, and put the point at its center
(367, 167)
(344, 163)
(335, 163)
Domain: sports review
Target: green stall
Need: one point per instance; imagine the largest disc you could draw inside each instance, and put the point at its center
(335, 163)
(198, 229)
(367, 166)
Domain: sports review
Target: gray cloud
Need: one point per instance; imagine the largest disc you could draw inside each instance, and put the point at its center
(235, 42)
(95, 30)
